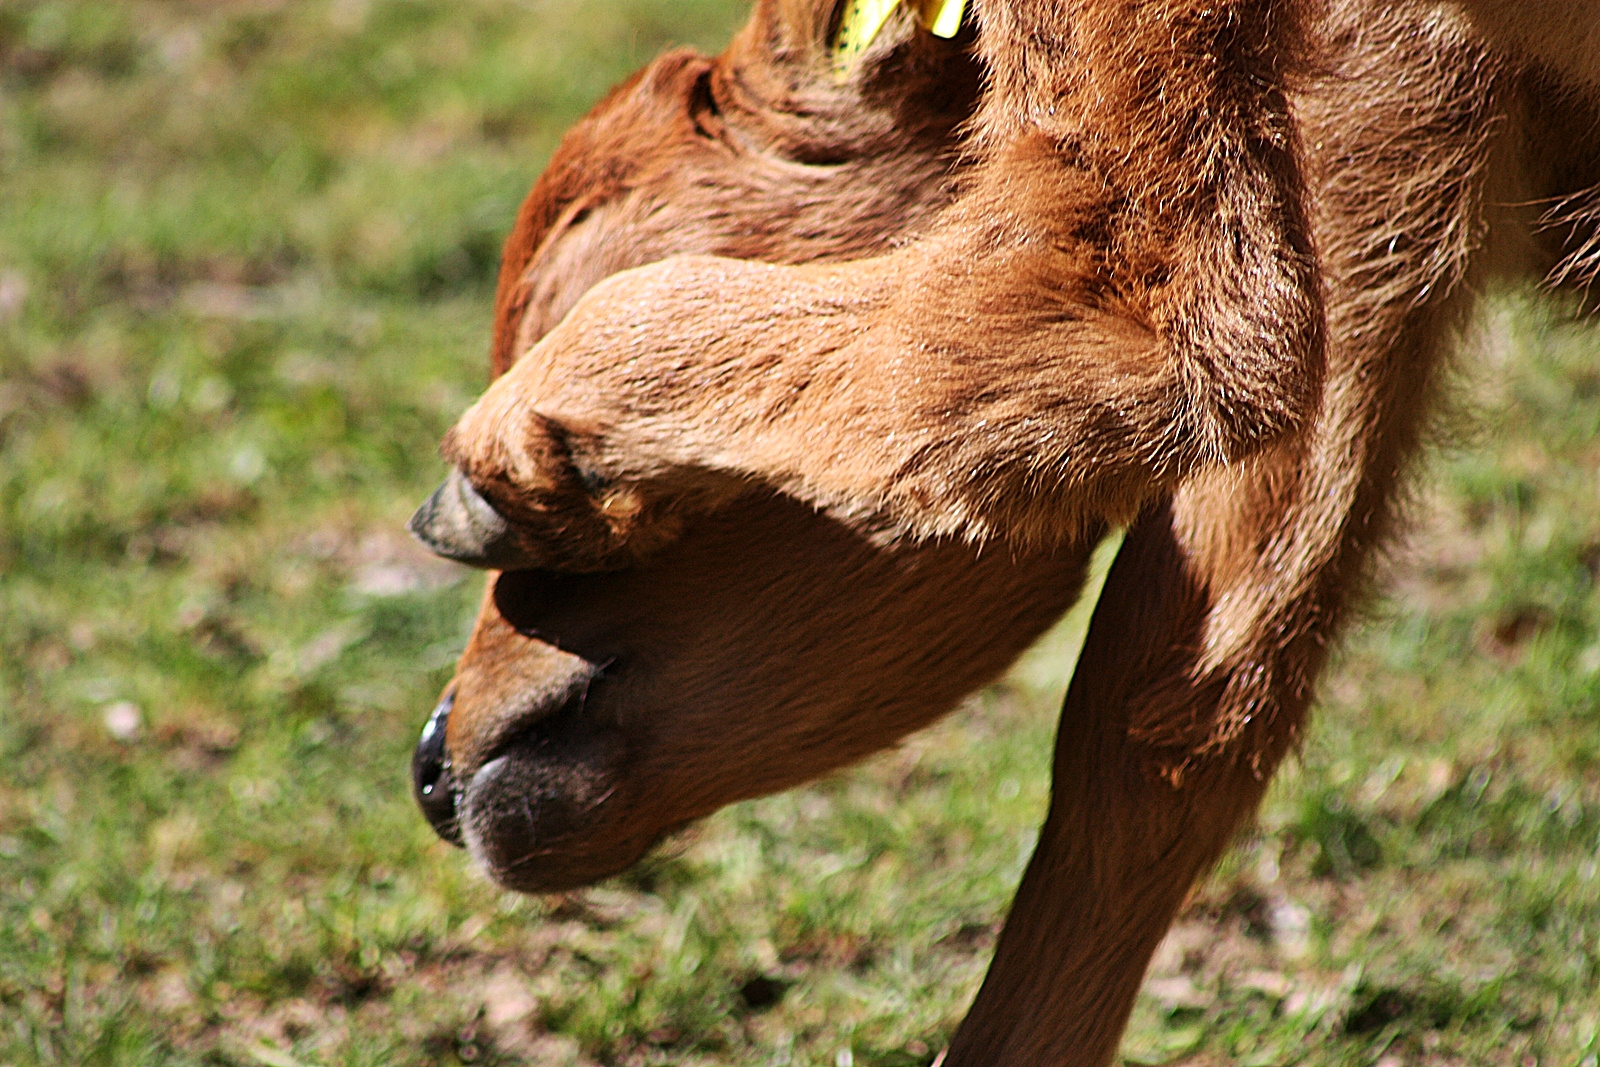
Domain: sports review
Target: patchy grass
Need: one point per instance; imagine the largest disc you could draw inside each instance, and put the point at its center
(246, 253)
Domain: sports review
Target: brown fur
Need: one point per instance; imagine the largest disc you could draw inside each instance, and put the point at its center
(967, 329)
(1132, 260)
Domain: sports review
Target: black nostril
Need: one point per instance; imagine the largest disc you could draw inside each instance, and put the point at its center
(431, 782)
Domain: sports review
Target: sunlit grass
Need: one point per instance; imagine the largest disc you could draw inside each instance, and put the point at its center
(246, 257)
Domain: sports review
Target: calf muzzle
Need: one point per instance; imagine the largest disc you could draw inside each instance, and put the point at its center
(549, 814)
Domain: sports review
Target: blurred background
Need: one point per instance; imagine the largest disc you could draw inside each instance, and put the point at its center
(247, 252)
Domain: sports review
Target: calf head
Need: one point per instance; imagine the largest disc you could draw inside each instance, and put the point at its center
(592, 714)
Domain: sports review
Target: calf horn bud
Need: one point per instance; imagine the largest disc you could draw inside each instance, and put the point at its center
(456, 522)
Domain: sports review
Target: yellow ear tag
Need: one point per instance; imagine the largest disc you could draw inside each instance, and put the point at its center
(862, 19)
(943, 17)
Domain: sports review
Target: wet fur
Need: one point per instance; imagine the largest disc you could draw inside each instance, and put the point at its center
(1086, 292)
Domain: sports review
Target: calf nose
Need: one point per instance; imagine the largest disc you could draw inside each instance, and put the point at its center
(431, 782)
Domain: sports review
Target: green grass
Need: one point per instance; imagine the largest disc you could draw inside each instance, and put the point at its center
(246, 259)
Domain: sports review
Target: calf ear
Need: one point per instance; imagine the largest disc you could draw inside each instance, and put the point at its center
(805, 26)
(456, 522)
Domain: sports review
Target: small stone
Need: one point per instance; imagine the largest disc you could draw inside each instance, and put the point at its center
(13, 294)
(506, 1000)
(1271, 983)
(124, 720)
(1179, 991)
(1291, 928)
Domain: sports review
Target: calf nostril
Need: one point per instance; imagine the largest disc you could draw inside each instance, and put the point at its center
(431, 781)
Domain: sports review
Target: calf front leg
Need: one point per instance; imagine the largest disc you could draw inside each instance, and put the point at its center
(1197, 672)
(1127, 833)
(1123, 293)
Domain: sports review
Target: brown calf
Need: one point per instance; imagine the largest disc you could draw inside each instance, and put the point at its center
(813, 397)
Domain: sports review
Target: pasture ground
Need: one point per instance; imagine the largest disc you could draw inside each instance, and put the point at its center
(246, 257)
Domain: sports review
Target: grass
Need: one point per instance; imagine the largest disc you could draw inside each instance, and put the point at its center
(246, 257)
